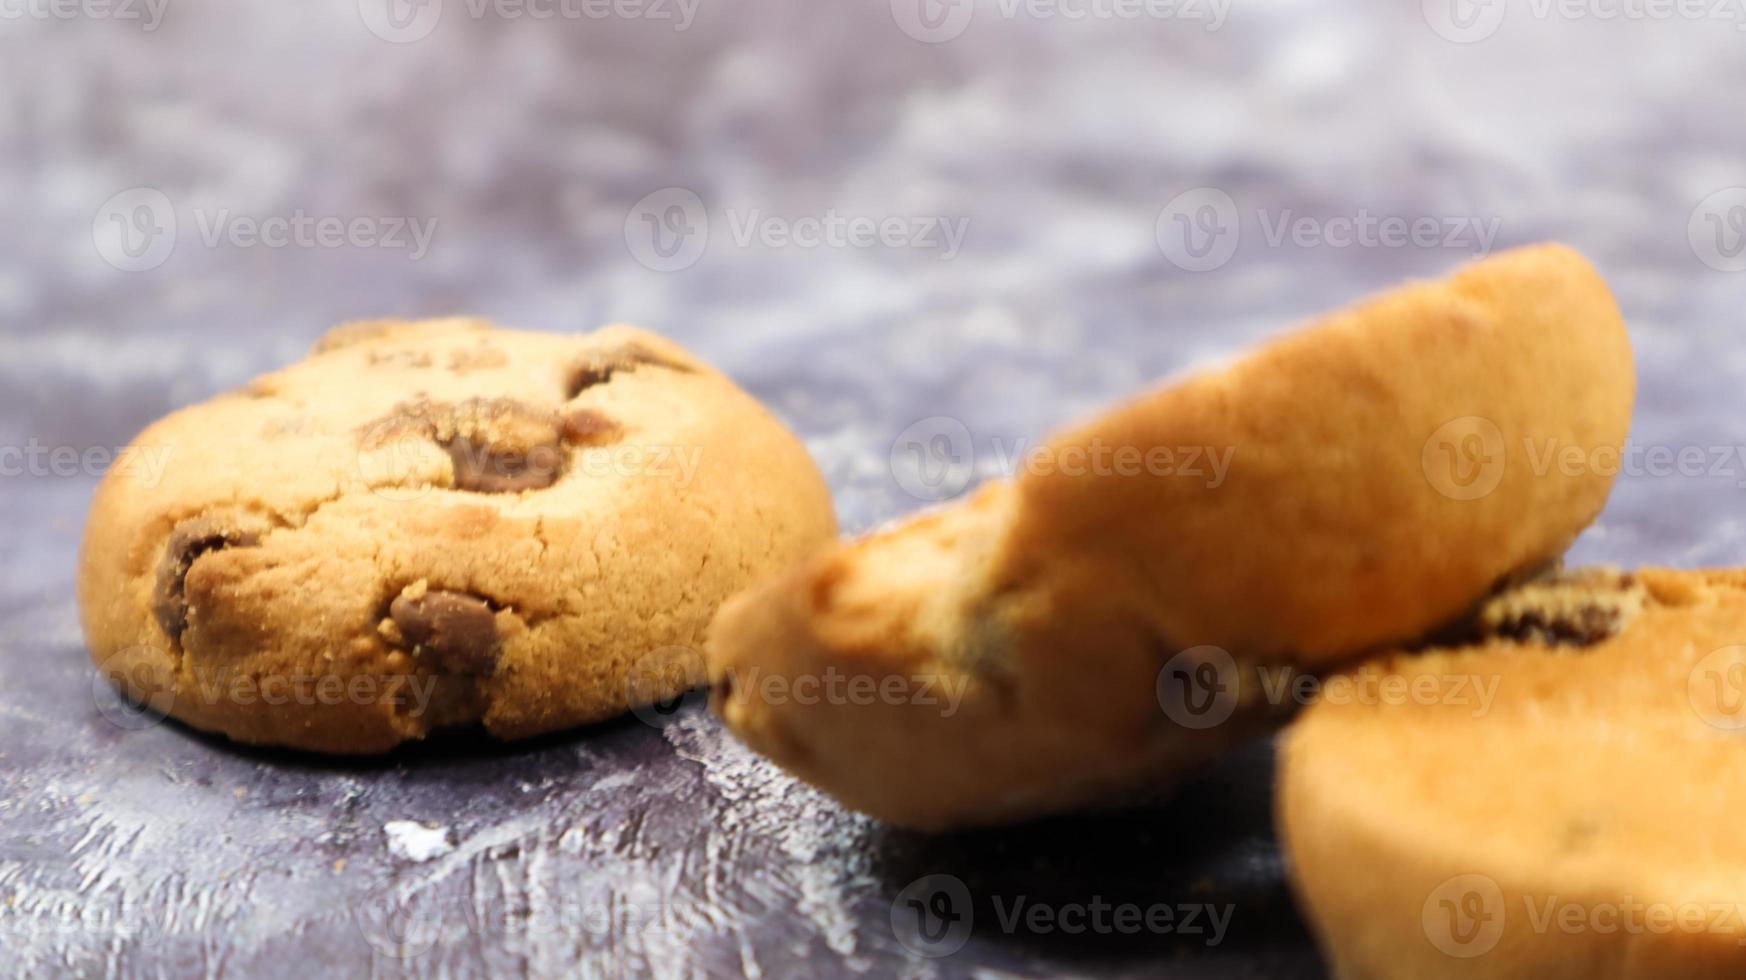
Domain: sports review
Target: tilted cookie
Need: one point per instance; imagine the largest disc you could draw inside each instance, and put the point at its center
(1384, 469)
(1559, 798)
(430, 524)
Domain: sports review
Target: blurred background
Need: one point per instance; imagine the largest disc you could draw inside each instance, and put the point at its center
(892, 220)
(1023, 156)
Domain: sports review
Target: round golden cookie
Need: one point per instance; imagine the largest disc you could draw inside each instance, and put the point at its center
(1559, 798)
(1094, 626)
(439, 523)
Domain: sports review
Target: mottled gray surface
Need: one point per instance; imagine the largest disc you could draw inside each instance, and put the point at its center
(1054, 144)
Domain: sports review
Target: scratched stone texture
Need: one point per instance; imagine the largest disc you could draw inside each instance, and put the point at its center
(138, 849)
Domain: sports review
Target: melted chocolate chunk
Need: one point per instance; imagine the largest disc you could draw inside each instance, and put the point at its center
(480, 469)
(496, 445)
(1575, 609)
(1582, 626)
(458, 629)
(588, 427)
(188, 541)
(598, 366)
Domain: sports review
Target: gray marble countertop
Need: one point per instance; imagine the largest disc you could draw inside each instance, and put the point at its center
(874, 215)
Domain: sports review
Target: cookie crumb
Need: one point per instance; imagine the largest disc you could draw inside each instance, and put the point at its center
(412, 841)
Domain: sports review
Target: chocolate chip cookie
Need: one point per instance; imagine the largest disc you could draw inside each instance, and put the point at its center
(1560, 796)
(440, 523)
(1075, 633)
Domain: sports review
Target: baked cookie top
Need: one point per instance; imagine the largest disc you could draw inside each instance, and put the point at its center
(1557, 797)
(1384, 469)
(443, 498)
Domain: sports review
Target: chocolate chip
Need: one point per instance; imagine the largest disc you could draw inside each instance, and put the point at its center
(459, 630)
(1577, 609)
(1583, 626)
(480, 469)
(598, 366)
(188, 541)
(500, 445)
(587, 427)
(496, 445)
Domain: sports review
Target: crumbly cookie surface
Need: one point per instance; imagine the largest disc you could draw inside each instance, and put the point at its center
(1384, 472)
(1555, 800)
(438, 523)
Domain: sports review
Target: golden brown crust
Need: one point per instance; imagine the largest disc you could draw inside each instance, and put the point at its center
(1054, 600)
(1579, 820)
(425, 476)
